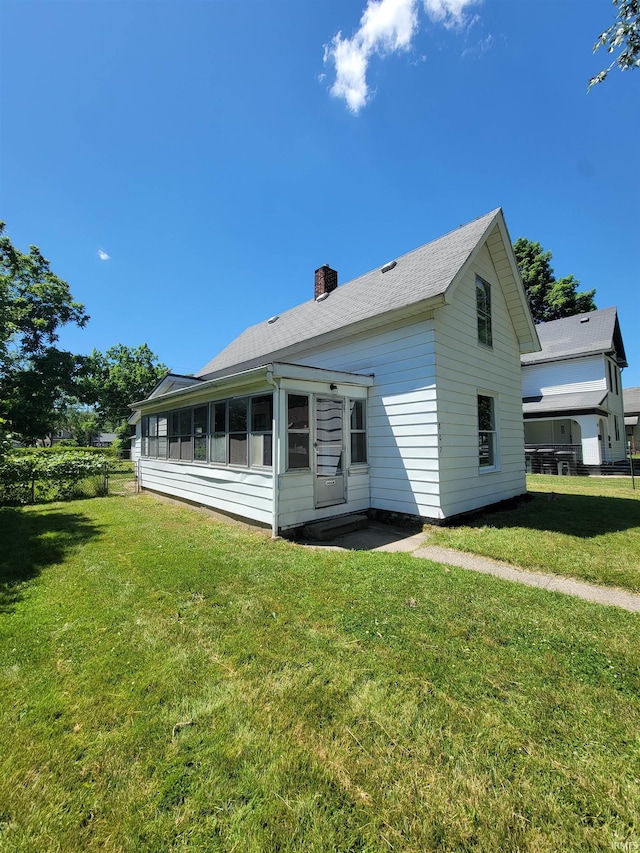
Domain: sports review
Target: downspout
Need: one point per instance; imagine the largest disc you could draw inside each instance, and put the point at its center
(275, 431)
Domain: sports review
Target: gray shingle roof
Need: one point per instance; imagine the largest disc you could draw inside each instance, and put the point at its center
(419, 275)
(631, 397)
(563, 402)
(582, 334)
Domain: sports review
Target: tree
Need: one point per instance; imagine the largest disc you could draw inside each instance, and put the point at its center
(35, 376)
(550, 299)
(623, 34)
(118, 377)
(81, 421)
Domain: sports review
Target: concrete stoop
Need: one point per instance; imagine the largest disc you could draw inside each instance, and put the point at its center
(332, 528)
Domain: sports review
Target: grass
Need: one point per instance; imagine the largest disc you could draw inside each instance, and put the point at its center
(582, 527)
(173, 683)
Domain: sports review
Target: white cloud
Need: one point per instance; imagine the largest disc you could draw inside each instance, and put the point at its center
(103, 255)
(386, 26)
(451, 13)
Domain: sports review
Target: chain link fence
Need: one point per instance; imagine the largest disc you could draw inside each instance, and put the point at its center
(111, 477)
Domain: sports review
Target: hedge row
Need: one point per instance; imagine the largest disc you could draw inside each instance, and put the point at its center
(38, 477)
(62, 449)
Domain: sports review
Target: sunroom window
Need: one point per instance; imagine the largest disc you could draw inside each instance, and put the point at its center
(297, 431)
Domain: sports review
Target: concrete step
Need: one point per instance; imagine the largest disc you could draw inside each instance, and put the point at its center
(332, 528)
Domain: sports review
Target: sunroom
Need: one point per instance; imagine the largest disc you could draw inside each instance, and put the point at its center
(279, 444)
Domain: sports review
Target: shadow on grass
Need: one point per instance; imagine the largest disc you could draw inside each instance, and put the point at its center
(32, 541)
(585, 516)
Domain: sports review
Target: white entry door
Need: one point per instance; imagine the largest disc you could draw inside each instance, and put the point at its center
(329, 452)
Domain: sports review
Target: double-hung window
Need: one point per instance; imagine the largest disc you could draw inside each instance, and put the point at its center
(357, 425)
(487, 437)
(483, 306)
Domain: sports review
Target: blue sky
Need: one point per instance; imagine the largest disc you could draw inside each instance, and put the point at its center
(187, 165)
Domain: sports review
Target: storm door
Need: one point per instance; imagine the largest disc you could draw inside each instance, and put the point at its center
(329, 452)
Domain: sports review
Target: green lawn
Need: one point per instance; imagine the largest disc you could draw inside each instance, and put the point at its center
(583, 527)
(174, 683)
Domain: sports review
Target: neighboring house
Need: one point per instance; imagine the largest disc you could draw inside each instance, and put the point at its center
(572, 394)
(399, 391)
(103, 439)
(631, 418)
(59, 435)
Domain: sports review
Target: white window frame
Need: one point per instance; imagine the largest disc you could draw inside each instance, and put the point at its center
(494, 465)
(484, 312)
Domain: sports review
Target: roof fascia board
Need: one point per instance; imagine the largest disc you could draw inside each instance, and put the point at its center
(563, 413)
(574, 355)
(618, 345)
(533, 345)
(318, 374)
(243, 379)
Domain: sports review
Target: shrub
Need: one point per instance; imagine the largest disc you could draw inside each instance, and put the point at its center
(41, 476)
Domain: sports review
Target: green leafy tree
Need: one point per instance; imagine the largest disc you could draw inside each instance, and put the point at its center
(118, 377)
(622, 35)
(35, 376)
(81, 421)
(549, 298)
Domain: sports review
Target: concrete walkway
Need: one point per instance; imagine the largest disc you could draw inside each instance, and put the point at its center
(381, 537)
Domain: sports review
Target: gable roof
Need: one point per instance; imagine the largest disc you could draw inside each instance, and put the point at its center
(171, 382)
(631, 397)
(583, 334)
(421, 279)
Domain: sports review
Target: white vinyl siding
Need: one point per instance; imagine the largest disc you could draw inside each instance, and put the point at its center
(247, 493)
(235, 490)
(570, 376)
(401, 415)
(464, 370)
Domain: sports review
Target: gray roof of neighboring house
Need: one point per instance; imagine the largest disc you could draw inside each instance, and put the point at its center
(582, 334)
(422, 274)
(579, 401)
(631, 397)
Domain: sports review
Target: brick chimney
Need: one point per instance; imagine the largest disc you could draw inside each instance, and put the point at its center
(326, 280)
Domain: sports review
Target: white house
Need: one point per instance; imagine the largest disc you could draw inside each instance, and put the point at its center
(572, 394)
(399, 391)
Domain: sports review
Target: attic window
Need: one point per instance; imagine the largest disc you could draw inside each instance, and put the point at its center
(273, 319)
(389, 266)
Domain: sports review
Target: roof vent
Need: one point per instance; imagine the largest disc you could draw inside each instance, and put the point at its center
(273, 319)
(584, 319)
(322, 297)
(389, 266)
